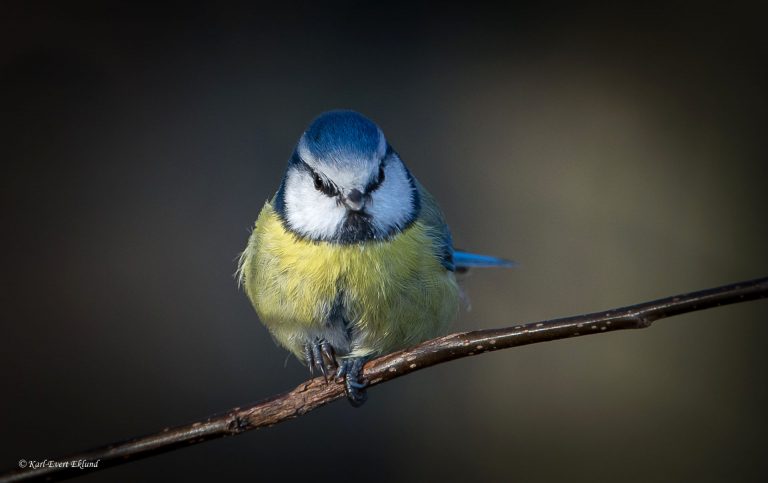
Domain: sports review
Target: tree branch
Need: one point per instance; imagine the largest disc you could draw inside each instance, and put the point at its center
(316, 392)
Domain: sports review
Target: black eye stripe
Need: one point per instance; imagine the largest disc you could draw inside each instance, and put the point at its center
(327, 187)
(321, 184)
(374, 185)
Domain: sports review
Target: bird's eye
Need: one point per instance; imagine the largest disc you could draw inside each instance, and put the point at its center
(318, 181)
(374, 184)
(325, 187)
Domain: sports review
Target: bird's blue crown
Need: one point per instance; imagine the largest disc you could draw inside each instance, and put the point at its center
(340, 135)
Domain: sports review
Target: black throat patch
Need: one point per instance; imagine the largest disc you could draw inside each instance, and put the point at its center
(356, 227)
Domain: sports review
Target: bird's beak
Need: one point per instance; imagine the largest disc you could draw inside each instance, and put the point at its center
(354, 200)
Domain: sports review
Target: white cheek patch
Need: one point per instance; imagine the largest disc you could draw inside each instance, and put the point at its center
(391, 205)
(307, 210)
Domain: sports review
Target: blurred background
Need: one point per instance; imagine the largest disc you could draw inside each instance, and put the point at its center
(618, 153)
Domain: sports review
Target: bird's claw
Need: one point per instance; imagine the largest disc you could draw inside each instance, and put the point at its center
(320, 355)
(351, 372)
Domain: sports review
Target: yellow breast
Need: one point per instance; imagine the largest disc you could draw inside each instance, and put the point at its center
(395, 293)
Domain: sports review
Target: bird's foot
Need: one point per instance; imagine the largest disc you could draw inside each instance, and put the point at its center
(320, 355)
(351, 371)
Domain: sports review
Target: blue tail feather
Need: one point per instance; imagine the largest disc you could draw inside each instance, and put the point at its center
(466, 260)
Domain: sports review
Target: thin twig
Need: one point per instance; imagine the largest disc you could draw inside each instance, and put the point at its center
(316, 392)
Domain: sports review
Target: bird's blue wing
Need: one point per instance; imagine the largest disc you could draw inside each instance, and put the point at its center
(464, 260)
(451, 259)
(431, 216)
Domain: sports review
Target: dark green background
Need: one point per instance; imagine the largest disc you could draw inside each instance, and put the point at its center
(617, 152)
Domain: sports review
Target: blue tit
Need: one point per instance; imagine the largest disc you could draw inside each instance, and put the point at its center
(352, 257)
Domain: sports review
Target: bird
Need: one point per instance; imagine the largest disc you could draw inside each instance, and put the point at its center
(352, 257)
